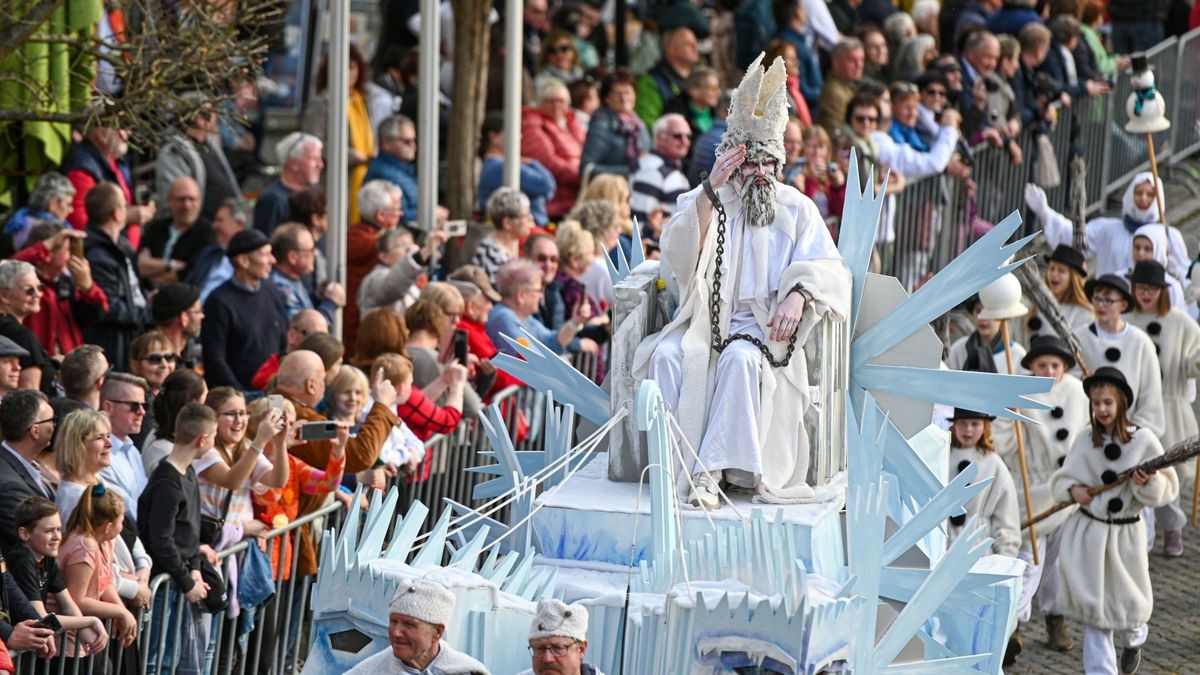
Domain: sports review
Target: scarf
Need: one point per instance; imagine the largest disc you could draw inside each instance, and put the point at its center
(908, 136)
(631, 126)
(980, 356)
(1132, 224)
(1143, 95)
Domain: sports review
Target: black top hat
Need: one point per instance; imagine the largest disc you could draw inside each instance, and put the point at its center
(964, 414)
(1071, 257)
(1113, 281)
(1109, 375)
(1048, 345)
(1149, 272)
(1139, 62)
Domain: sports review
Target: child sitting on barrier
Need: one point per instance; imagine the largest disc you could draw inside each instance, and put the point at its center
(86, 560)
(35, 570)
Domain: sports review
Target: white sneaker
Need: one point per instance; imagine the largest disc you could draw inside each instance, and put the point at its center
(705, 494)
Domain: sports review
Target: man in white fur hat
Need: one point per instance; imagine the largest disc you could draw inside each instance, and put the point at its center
(558, 640)
(755, 269)
(417, 621)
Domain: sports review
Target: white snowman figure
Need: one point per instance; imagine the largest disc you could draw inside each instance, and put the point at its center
(1145, 108)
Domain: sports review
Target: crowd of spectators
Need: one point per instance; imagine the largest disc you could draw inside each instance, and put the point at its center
(158, 360)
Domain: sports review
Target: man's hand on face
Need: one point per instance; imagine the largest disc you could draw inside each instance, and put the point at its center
(726, 165)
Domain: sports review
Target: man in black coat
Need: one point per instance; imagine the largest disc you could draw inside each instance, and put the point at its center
(113, 270)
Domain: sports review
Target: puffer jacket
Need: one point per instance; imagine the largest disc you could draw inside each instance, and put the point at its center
(558, 149)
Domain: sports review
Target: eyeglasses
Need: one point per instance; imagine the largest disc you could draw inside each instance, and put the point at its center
(935, 92)
(48, 420)
(866, 119)
(559, 651)
(158, 359)
(32, 291)
(680, 135)
(546, 258)
(134, 406)
(235, 415)
(407, 141)
(1105, 301)
(558, 49)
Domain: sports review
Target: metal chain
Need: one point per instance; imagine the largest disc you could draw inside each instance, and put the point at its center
(719, 344)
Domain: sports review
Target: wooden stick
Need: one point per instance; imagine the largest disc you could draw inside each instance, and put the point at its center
(1196, 493)
(1162, 217)
(1021, 448)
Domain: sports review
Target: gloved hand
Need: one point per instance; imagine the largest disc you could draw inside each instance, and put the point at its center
(1035, 198)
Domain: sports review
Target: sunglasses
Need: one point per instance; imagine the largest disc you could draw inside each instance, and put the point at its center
(864, 119)
(134, 406)
(32, 291)
(935, 92)
(159, 359)
(905, 87)
(558, 49)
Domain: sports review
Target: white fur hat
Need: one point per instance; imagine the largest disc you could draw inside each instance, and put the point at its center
(423, 599)
(556, 618)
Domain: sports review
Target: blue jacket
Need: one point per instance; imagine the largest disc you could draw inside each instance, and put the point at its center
(398, 172)
(536, 182)
(1010, 19)
(811, 80)
(704, 151)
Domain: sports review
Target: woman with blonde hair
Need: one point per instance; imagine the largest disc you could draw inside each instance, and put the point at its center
(614, 189)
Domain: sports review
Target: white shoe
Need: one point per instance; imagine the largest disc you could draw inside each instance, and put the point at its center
(705, 494)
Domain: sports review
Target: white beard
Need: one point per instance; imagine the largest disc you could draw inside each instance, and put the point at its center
(758, 202)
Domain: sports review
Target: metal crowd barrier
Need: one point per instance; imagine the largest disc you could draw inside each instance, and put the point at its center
(227, 650)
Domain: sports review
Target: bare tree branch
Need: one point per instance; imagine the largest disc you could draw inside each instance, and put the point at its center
(21, 27)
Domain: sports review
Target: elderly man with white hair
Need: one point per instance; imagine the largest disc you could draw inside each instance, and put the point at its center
(300, 155)
(558, 640)
(417, 620)
(660, 177)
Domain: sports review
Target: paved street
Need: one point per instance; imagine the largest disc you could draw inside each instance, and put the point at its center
(1174, 643)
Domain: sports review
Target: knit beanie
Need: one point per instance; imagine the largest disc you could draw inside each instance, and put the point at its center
(425, 600)
(556, 618)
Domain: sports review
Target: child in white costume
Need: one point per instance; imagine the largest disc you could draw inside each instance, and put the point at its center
(1104, 572)
(995, 508)
(1111, 341)
(983, 350)
(1177, 338)
(1110, 240)
(1150, 243)
(1066, 272)
(1047, 443)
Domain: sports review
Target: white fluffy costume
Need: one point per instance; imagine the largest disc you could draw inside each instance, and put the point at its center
(1176, 339)
(449, 661)
(1103, 568)
(1132, 353)
(995, 508)
(743, 415)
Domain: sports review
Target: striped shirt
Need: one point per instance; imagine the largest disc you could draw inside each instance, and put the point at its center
(658, 182)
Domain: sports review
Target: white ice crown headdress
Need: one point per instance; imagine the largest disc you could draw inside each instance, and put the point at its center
(758, 110)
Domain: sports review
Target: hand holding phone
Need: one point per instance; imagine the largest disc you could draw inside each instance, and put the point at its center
(455, 228)
(461, 346)
(319, 431)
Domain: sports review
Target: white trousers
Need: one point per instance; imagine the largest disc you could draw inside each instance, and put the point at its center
(731, 433)
(1168, 517)
(1039, 581)
(1099, 647)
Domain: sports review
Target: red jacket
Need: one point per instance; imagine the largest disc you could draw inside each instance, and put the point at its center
(558, 150)
(57, 326)
(361, 258)
(427, 418)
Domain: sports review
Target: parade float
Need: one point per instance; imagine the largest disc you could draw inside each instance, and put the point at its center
(859, 579)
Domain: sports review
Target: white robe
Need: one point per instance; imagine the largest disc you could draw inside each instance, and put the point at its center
(1157, 235)
(1104, 573)
(1136, 359)
(995, 508)
(1025, 328)
(1046, 446)
(449, 661)
(763, 439)
(1176, 339)
(1111, 242)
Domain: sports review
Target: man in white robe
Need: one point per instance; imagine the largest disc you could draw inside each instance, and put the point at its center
(775, 271)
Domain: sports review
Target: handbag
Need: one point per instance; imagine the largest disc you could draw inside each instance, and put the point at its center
(1045, 169)
(215, 601)
(210, 527)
